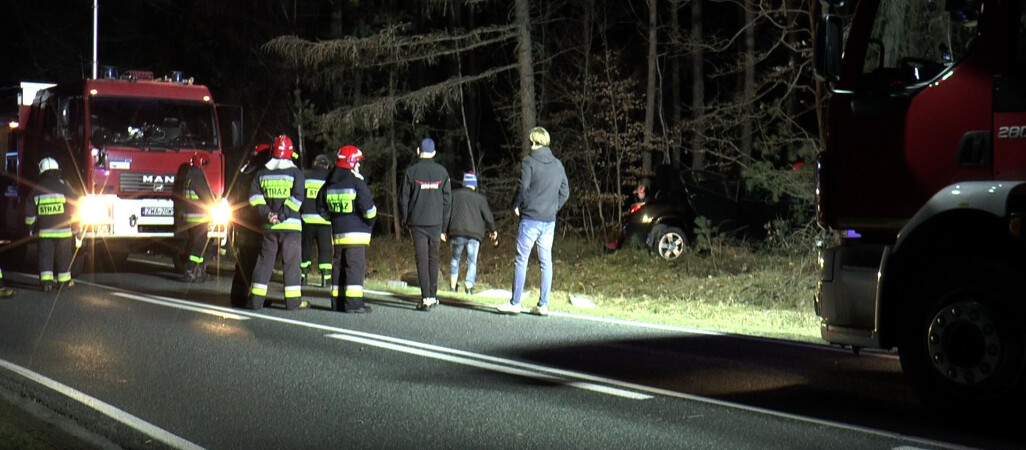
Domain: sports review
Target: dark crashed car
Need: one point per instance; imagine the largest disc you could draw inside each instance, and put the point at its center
(663, 223)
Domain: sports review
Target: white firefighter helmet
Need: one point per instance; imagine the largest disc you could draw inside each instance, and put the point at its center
(48, 164)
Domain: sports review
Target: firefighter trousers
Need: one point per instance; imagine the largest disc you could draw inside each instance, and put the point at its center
(321, 236)
(59, 251)
(287, 242)
(195, 246)
(348, 272)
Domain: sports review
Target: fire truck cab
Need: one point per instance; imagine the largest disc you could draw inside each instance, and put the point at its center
(923, 185)
(120, 141)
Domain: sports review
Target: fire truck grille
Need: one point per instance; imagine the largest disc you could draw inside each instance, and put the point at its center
(146, 182)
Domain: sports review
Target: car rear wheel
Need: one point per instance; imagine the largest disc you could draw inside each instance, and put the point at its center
(670, 243)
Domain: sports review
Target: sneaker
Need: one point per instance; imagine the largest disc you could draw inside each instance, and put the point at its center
(508, 308)
(540, 310)
(427, 303)
(470, 290)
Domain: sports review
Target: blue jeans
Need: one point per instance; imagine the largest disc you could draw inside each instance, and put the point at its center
(533, 232)
(458, 244)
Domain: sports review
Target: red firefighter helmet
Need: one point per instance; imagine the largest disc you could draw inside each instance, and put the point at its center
(348, 156)
(282, 147)
(199, 159)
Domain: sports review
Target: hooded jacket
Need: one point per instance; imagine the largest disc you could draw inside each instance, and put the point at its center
(544, 187)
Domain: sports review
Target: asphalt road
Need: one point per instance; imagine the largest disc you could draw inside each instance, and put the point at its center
(139, 360)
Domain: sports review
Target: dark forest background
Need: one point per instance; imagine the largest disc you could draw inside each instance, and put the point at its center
(717, 93)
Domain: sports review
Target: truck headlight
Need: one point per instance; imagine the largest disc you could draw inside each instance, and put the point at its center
(93, 210)
(220, 213)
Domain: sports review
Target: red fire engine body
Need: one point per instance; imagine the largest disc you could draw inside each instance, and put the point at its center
(120, 142)
(922, 184)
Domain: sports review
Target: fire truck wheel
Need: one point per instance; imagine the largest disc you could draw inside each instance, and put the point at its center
(670, 243)
(966, 348)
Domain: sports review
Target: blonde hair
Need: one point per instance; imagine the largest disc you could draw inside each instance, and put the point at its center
(539, 138)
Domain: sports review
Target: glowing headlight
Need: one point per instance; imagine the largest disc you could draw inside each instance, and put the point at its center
(94, 210)
(220, 213)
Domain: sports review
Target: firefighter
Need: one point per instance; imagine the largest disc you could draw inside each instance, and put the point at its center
(50, 215)
(192, 201)
(316, 230)
(346, 200)
(277, 194)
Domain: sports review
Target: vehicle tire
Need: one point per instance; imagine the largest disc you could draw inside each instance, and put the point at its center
(669, 242)
(965, 340)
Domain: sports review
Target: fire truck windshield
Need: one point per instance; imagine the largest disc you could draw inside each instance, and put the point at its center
(154, 123)
(914, 41)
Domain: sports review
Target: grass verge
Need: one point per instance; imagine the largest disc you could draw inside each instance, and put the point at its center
(733, 289)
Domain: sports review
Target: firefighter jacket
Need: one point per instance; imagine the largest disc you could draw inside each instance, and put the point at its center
(314, 180)
(192, 197)
(278, 189)
(471, 216)
(426, 197)
(347, 202)
(48, 209)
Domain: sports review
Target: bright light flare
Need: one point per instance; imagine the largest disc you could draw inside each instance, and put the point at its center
(220, 213)
(94, 210)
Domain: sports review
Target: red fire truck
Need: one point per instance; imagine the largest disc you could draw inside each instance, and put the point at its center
(120, 141)
(923, 186)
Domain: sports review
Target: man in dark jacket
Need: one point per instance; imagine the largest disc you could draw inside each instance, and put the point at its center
(347, 201)
(50, 215)
(543, 191)
(471, 220)
(316, 230)
(193, 199)
(277, 193)
(424, 207)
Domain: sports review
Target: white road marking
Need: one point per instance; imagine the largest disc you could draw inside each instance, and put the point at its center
(180, 304)
(99, 405)
(582, 376)
(538, 374)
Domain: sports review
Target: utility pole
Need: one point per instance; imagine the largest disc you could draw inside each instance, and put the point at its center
(96, 36)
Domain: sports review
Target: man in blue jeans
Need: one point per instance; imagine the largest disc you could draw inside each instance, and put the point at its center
(543, 191)
(470, 221)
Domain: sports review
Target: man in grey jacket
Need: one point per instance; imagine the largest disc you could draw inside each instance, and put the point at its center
(544, 189)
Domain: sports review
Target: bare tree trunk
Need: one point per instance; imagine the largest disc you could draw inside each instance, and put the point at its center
(749, 85)
(675, 78)
(393, 173)
(527, 106)
(697, 87)
(650, 89)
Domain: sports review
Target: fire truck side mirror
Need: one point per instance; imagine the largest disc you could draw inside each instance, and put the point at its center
(828, 47)
(230, 119)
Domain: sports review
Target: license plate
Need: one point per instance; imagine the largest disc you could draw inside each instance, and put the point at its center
(158, 211)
